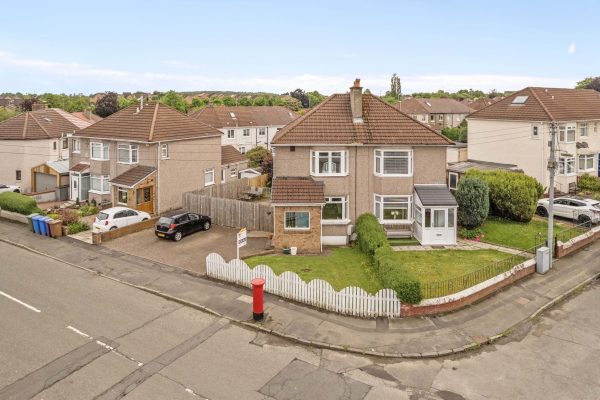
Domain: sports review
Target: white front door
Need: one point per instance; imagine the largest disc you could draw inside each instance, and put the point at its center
(75, 187)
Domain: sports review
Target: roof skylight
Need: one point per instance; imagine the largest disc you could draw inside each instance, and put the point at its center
(520, 100)
(232, 115)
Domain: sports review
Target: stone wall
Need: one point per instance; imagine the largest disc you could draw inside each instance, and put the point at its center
(307, 241)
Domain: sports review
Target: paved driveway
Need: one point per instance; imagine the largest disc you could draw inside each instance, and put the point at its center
(189, 253)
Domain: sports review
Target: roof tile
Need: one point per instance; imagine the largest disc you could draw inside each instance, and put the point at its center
(297, 190)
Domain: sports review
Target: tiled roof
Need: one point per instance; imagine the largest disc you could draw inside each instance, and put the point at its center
(132, 176)
(545, 104)
(481, 103)
(87, 116)
(464, 166)
(223, 117)
(154, 122)
(230, 155)
(80, 167)
(331, 123)
(50, 123)
(435, 195)
(297, 190)
(433, 106)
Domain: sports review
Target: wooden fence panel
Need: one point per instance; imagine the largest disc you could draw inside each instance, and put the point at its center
(318, 293)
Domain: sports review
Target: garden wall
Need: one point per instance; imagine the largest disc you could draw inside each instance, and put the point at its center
(13, 216)
(98, 238)
(564, 249)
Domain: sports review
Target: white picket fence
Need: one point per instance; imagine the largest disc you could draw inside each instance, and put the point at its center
(318, 293)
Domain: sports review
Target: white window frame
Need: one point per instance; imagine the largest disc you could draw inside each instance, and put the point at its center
(230, 133)
(380, 161)
(563, 133)
(212, 172)
(535, 132)
(242, 149)
(76, 145)
(119, 190)
(380, 199)
(586, 158)
(583, 127)
(343, 200)
(131, 150)
(262, 131)
(164, 151)
(563, 163)
(104, 151)
(295, 228)
(104, 186)
(233, 172)
(222, 175)
(314, 162)
(450, 180)
(246, 132)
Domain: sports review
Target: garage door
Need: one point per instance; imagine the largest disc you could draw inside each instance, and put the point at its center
(44, 182)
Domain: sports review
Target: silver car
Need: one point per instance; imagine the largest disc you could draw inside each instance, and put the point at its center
(576, 208)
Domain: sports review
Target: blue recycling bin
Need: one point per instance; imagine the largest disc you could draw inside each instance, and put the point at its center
(45, 221)
(42, 225)
(36, 224)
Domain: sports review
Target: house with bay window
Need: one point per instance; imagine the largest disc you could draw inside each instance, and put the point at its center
(143, 157)
(516, 130)
(355, 154)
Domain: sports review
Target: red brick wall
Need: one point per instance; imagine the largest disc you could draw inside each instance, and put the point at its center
(410, 310)
(562, 251)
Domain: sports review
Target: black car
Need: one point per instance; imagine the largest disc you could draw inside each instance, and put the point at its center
(178, 226)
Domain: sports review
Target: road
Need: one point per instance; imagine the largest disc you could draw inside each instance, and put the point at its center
(66, 333)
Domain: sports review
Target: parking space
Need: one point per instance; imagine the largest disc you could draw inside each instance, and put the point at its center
(189, 253)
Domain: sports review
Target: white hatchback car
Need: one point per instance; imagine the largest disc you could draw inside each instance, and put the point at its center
(577, 208)
(9, 188)
(118, 217)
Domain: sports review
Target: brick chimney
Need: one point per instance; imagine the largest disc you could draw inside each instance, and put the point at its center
(39, 106)
(356, 102)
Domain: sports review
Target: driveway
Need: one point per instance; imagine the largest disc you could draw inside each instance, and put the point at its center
(189, 253)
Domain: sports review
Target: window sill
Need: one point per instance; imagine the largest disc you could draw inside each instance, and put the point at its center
(395, 221)
(298, 230)
(335, 221)
(127, 163)
(209, 184)
(98, 192)
(327, 175)
(76, 152)
(99, 159)
(393, 175)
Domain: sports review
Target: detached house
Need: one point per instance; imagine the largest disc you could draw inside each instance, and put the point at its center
(440, 113)
(355, 154)
(516, 130)
(144, 158)
(246, 127)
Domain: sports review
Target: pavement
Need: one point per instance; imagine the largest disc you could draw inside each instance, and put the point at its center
(424, 337)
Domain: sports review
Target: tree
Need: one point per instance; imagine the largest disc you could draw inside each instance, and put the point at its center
(256, 156)
(315, 98)
(395, 87)
(6, 113)
(259, 101)
(289, 102)
(245, 101)
(302, 97)
(229, 101)
(215, 100)
(267, 168)
(583, 84)
(458, 134)
(589, 83)
(27, 104)
(107, 104)
(472, 196)
(175, 100)
(125, 102)
(199, 103)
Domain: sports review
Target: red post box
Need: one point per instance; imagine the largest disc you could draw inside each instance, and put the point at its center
(258, 310)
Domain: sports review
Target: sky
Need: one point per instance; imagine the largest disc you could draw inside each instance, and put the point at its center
(278, 46)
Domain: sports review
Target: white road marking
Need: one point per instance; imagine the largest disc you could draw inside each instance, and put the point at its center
(110, 348)
(8, 296)
(77, 331)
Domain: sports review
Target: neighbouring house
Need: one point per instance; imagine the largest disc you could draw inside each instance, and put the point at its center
(232, 163)
(246, 127)
(87, 116)
(355, 154)
(516, 130)
(479, 103)
(443, 113)
(457, 152)
(460, 167)
(32, 139)
(144, 157)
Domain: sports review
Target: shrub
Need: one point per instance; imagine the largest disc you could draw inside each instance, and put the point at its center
(256, 156)
(68, 216)
(588, 182)
(471, 234)
(397, 277)
(55, 216)
(87, 210)
(18, 203)
(78, 226)
(513, 195)
(472, 196)
(370, 234)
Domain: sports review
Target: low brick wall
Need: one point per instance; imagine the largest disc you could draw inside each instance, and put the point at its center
(98, 238)
(13, 216)
(469, 296)
(564, 249)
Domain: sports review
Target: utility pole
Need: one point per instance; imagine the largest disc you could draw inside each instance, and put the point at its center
(552, 164)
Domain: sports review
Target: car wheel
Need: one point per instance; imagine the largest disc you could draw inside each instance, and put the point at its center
(177, 237)
(584, 220)
(17, 191)
(144, 219)
(541, 211)
(206, 226)
(112, 228)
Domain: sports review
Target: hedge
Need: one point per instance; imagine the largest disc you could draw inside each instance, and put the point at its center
(513, 195)
(473, 198)
(372, 241)
(18, 203)
(588, 182)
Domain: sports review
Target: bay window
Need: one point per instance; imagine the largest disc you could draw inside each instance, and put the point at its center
(99, 184)
(127, 153)
(392, 208)
(297, 220)
(329, 163)
(566, 165)
(393, 162)
(334, 210)
(586, 162)
(99, 151)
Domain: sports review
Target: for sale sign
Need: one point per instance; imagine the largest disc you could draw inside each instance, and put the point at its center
(242, 238)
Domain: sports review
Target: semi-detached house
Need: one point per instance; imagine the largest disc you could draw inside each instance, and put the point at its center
(355, 154)
(144, 157)
(516, 130)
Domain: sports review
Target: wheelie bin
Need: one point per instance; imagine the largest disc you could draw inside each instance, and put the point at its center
(36, 224)
(30, 221)
(46, 222)
(55, 228)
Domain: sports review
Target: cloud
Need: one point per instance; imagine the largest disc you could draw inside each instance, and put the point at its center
(572, 48)
(80, 77)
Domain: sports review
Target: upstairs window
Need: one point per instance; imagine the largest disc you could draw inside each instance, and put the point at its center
(127, 153)
(329, 163)
(65, 143)
(393, 162)
(99, 151)
(76, 146)
(230, 134)
(164, 150)
(535, 131)
(566, 133)
(262, 131)
(246, 132)
(583, 130)
(209, 176)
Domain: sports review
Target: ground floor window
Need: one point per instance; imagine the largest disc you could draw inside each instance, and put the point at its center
(99, 184)
(297, 220)
(437, 218)
(392, 208)
(335, 209)
(586, 162)
(566, 165)
(144, 195)
(122, 196)
(18, 174)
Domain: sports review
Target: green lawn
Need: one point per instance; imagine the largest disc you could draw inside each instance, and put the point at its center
(349, 267)
(518, 235)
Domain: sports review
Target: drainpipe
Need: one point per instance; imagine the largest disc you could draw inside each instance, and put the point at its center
(158, 153)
